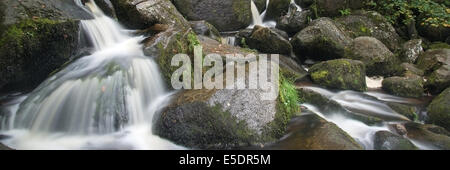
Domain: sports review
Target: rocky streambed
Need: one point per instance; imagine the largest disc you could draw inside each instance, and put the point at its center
(348, 80)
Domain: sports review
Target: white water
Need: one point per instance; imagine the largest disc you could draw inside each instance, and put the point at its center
(356, 101)
(257, 20)
(106, 100)
(361, 132)
(361, 104)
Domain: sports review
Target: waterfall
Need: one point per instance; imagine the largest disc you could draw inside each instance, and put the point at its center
(255, 14)
(295, 4)
(263, 14)
(106, 99)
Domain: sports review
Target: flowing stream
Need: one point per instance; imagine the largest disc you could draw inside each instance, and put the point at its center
(370, 103)
(106, 100)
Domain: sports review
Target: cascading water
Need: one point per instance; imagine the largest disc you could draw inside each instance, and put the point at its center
(106, 100)
(370, 104)
(257, 20)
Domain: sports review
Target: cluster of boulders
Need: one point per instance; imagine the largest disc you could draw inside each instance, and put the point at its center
(363, 43)
(344, 50)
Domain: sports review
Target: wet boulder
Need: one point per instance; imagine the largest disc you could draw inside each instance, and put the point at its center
(277, 8)
(341, 74)
(439, 110)
(404, 86)
(226, 118)
(294, 22)
(242, 36)
(385, 140)
(291, 69)
(321, 40)
(311, 132)
(432, 60)
(166, 44)
(406, 110)
(142, 14)
(34, 43)
(411, 50)
(206, 29)
(433, 136)
(408, 69)
(438, 80)
(373, 24)
(268, 41)
(168, 31)
(376, 56)
(436, 66)
(225, 15)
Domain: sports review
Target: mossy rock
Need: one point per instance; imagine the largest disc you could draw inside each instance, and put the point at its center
(340, 74)
(167, 44)
(31, 49)
(321, 40)
(438, 45)
(200, 126)
(311, 132)
(432, 135)
(439, 110)
(375, 55)
(294, 22)
(433, 59)
(408, 69)
(277, 8)
(385, 140)
(145, 13)
(438, 80)
(373, 24)
(206, 29)
(406, 110)
(404, 86)
(227, 118)
(36, 38)
(225, 15)
(268, 41)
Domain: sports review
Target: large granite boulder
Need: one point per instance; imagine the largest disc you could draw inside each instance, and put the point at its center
(376, 56)
(36, 38)
(321, 40)
(439, 110)
(340, 74)
(225, 15)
